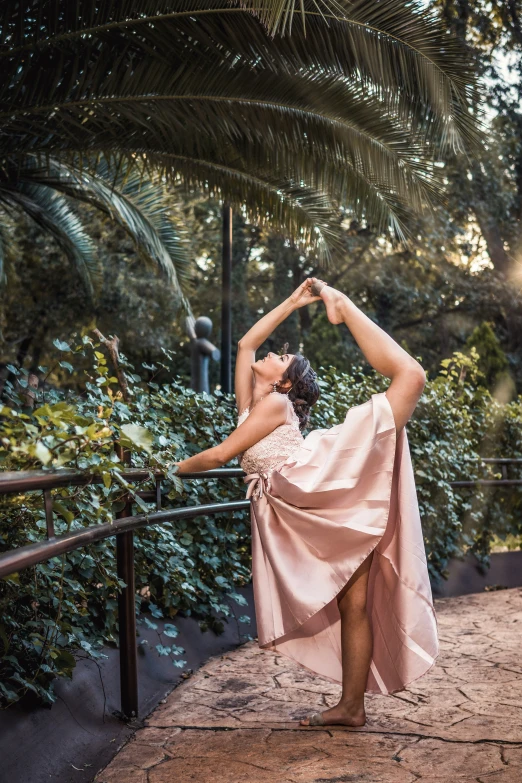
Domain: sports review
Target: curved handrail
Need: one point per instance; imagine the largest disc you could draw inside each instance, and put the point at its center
(122, 527)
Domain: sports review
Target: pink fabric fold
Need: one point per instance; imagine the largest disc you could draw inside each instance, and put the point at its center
(348, 491)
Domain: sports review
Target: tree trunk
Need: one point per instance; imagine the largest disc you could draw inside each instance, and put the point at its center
(491, 233)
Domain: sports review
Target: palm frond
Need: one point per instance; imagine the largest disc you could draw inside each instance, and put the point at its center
(397, 44)
(351, 108)
(303, 127)
(52, 212)
(123, 195)
(4, 244)
(140, 186)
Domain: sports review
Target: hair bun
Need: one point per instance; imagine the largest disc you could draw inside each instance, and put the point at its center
(304, 390)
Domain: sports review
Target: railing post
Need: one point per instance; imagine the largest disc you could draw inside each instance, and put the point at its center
(127, 612)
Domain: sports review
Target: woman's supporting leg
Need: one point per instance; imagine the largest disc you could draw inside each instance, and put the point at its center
(356, 648)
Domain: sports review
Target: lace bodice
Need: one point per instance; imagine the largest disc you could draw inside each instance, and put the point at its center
(274, 449)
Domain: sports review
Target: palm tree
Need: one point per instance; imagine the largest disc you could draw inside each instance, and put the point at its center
(45, 190)
(351, 104)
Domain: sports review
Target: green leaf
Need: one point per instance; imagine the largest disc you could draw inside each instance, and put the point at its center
(239, 599)
(63, 511)
(139, 436)
(42, 453)
(62, 346)
(11, 696)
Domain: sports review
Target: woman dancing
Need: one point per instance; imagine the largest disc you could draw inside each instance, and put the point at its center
(339, 568)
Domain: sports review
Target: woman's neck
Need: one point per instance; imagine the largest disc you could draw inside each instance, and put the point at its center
(261, 391)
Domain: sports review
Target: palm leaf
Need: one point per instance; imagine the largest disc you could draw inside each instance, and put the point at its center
(52, 212)
(306, 138)
(131, 200)
(351, 110)
(4, 244)
(393, 44)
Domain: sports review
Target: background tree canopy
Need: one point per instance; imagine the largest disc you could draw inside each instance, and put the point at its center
(374, 106)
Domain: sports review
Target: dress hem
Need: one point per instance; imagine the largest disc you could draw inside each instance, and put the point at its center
(269, 647)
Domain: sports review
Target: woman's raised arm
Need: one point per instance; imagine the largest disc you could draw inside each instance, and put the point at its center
(248, 345)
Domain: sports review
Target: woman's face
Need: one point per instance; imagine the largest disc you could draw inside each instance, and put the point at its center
(272, 367)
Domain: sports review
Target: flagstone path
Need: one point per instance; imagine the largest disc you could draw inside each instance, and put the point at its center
(236, 719)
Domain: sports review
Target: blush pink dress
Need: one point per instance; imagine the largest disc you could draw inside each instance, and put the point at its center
(320, 506)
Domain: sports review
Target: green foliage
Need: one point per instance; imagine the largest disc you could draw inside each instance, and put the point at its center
(492, 361)
(59, 610)
(45, 192)
(352, 107)
(456, 423)
(66, 607)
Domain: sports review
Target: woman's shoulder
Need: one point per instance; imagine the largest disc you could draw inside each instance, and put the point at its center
(274, 404)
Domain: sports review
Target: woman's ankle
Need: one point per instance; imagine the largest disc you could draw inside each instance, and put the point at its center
(353, 704)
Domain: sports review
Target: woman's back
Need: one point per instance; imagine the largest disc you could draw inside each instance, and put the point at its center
(274, 449)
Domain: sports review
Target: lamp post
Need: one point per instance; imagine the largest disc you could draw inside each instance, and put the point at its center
(226, 301)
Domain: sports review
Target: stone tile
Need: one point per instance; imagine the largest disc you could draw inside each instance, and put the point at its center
(235, 685)
(155, 737)
(191, 742)
(483, 727)
(509, 693)
(304, 681)
(513, 757)
(177, 714)
(209, 770)
(115, 775)
(505, 775)
(138, 756)
(347, 769)
(475, 672)
(436, 760)
(236, 720)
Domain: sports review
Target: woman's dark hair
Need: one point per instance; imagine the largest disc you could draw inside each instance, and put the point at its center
(304, 391)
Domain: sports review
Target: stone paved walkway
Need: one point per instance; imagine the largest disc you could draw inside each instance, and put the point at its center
(235, 720)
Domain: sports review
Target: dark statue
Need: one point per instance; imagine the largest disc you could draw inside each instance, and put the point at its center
(201, 350)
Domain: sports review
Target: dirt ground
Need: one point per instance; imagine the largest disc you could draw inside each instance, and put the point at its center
(236, 719)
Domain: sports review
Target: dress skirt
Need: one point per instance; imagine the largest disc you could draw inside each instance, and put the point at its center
(349, 490)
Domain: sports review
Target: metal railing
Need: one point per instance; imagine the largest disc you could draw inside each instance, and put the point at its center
(123, 528)
(503, 482)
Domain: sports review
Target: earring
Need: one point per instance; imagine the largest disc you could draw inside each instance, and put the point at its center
(275, 385)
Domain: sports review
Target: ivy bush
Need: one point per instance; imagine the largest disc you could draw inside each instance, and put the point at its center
(58, 611)
(456, 424)
(54, 612)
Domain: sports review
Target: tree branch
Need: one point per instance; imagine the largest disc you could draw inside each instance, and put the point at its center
(112, 347)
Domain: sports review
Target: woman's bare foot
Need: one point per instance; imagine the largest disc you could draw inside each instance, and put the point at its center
(343, 714)
(332, 299)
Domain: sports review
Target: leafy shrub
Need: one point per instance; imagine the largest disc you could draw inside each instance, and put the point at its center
(456, 423)
(59, 610)
(69, 603)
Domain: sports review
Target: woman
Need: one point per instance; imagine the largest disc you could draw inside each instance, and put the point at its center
(339, 568)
